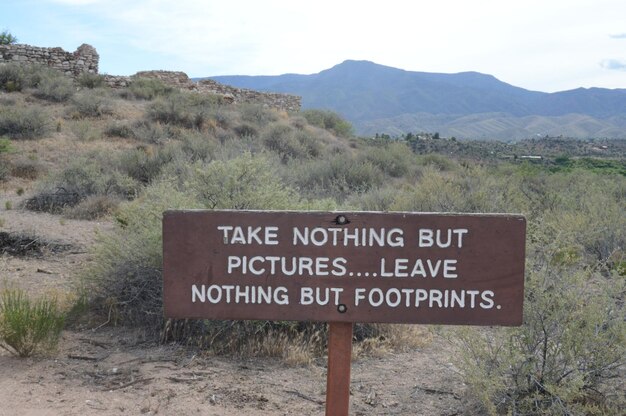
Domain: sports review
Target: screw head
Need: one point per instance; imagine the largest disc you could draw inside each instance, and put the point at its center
(342, 308)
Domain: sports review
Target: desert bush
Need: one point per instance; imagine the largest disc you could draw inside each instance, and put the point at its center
(92, 104)
(120, 129)
(280, 140)
(16, 77)
(26, 326)
(84, 130)
(572, 342)
(257, 115)
(338, 176)
(148, 89)
(93, 207)
(378, 199)
(82, 179)
(189, 110)
(247, 182)
(246, 130)
(310, 142)
(197, 147)
(55, 87)
(143, 130)
(12, 77)
(5, 145)
(24, 123)
(124, 283)
(91, 81)
(125, 279)
(328, 120)
(144, 165)
(395, 159)
(26, 168)
(5, 168)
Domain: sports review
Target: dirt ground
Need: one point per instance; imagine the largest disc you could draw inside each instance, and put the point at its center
(111, 371)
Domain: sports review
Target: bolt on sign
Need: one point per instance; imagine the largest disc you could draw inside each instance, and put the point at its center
(344, 267)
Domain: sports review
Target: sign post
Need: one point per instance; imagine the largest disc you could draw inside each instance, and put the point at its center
(338, 374)
(342, 268)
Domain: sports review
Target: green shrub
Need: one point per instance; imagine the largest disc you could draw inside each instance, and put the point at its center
(16, 77)
(126, 276)
(280, 139)
(328, 120)
(84, 130)
(145, 165)
(91, 81)
(124, 281)
(257, 114)
(120, 129)
(572, 342)
(55, 87)
(197, 147)
(148, 89)
(82, 179)
(246, 130)
(26, 168)
(247, 182)
(93, 207)
(311, 143)
(5, 145)
(338, 176)
(24, 123)
(177, 110)
(92, 103)
(5, 168)
(12, 77)
(395, 159)
(28, 326)
(6, 38)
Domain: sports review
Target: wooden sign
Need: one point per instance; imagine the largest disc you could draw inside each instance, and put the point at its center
(344, 267)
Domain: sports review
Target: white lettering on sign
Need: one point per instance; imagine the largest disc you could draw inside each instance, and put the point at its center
(419, 268)
(357, 237)
(441, 238)
(249, 235)
(239, 294)
(324, 266)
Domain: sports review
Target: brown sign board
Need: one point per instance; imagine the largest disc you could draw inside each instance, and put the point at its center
(465, 269)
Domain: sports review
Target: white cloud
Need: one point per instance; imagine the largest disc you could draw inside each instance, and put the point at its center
(536, 44)
(613, 64)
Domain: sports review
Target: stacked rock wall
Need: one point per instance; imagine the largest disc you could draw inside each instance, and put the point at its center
(237, 95)
(84, 59)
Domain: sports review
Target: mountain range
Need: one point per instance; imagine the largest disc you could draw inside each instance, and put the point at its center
(383, 99)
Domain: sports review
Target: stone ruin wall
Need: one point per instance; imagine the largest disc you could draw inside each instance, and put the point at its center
(85, 59)
(180, 80)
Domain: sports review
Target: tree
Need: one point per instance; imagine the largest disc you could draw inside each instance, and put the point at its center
(6, 38)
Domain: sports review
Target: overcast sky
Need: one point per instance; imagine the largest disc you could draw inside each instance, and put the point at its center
(540, 45)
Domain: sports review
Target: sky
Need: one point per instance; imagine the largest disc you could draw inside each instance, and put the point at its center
(545, 45)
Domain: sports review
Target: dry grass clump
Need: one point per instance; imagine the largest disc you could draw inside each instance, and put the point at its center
(27, 326)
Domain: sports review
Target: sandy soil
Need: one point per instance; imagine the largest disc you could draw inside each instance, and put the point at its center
(112, 371)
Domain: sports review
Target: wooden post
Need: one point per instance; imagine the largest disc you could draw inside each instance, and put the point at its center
(338, 377)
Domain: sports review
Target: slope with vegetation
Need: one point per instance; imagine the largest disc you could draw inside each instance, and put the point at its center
(84, 151)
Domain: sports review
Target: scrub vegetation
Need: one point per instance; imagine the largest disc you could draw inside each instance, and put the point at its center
(150, 148)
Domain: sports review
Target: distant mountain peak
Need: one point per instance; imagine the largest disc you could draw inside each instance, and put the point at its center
(374, 97)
